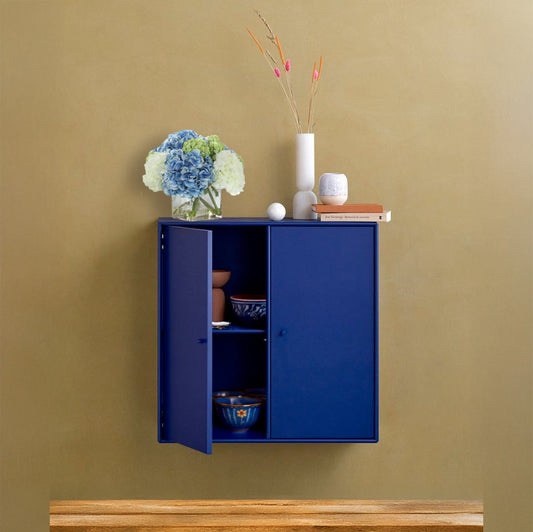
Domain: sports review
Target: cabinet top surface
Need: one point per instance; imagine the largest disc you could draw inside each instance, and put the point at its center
(259, 221)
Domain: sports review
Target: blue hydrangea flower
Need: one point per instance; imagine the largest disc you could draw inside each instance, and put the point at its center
(175, 141)
(187, 174)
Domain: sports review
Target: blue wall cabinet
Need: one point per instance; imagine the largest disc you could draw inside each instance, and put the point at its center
(317, 355)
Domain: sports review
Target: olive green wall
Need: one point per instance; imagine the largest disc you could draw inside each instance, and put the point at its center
(425, 105)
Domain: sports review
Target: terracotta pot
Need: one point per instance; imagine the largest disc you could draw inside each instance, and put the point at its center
(220, 278)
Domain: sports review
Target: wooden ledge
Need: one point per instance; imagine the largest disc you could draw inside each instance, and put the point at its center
(265, 515)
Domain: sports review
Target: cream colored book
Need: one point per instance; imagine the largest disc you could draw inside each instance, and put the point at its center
(356, 216)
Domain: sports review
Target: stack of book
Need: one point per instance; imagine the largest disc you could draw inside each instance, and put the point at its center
(352, 212)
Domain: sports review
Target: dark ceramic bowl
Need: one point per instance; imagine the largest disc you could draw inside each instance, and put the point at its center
(227, 393)
(258, 393)
(238, 413)
(250, 310)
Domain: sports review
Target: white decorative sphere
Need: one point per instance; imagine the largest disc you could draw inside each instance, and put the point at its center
(276, 212)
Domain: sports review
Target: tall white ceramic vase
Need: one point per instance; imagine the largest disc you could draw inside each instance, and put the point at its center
(305, 177)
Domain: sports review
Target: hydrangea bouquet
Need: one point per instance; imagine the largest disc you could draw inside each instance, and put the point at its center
(193, 170)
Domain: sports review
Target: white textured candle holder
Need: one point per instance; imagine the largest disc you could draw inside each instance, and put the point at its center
(333, 189)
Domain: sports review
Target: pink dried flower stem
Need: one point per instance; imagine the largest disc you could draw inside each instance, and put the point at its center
(295, 107)
(273, 65)
(287, 65)
(311, 122)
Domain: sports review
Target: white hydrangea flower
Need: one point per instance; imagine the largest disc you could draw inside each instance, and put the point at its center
(229, 172)
(155, 169)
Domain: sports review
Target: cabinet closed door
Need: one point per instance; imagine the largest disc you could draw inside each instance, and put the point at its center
(323, 331)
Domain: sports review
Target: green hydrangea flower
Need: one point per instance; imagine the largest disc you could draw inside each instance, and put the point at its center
(196, 144)
(215, 146)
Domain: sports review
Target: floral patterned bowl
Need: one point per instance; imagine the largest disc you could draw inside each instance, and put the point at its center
(250, 310)
(238, 413)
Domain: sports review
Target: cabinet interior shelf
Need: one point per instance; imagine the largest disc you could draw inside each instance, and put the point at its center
(238, 329)
(223, 435)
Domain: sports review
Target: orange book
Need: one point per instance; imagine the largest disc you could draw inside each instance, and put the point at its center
(348, 207)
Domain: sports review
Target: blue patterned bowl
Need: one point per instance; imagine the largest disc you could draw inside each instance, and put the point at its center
(238, 413)
(250, 310)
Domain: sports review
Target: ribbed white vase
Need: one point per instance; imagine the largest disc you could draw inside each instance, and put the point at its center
(305, 177)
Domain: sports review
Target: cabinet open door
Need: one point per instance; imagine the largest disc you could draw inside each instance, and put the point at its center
(323, 333)
(185, 351)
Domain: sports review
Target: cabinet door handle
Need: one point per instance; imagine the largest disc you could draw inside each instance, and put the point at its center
(201, 340)
(283, 332)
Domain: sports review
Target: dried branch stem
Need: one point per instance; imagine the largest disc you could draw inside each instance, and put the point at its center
(286, 83)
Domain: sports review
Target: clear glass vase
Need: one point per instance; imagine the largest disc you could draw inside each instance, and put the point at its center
(204, 207)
